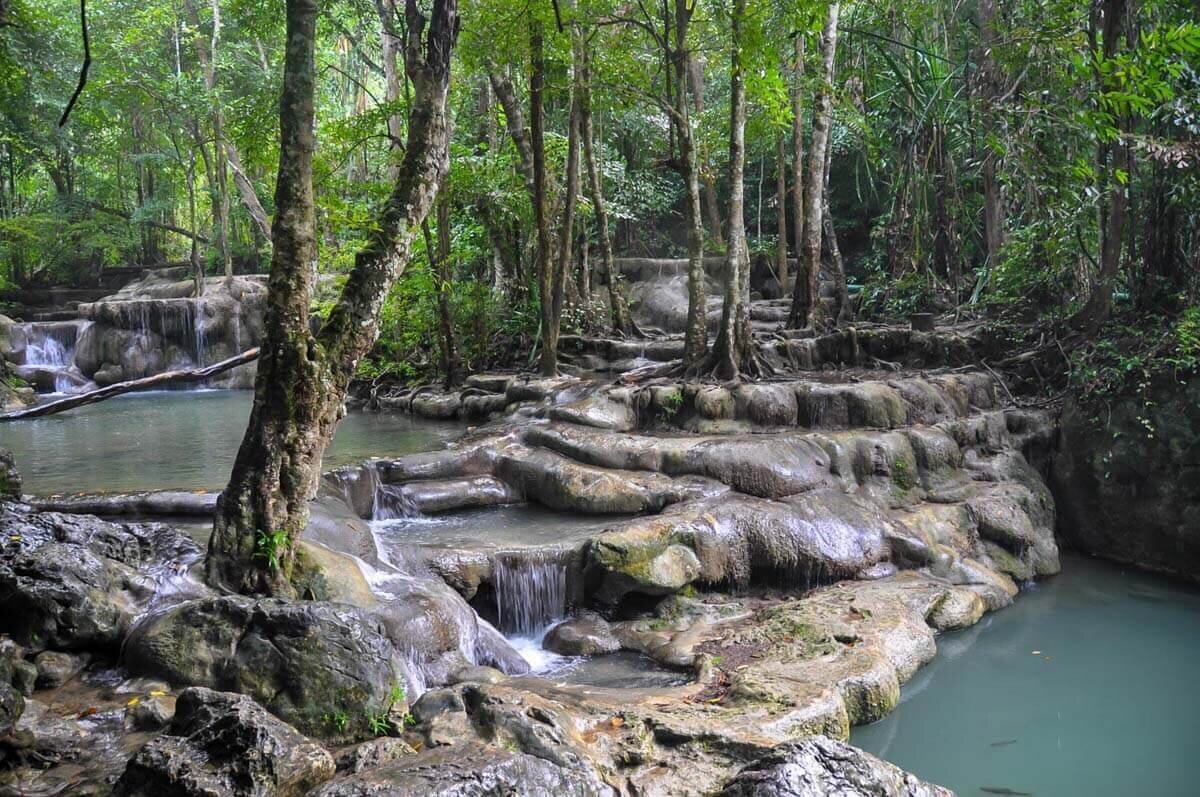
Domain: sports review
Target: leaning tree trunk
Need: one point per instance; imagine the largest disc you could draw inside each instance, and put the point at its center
(733, 352)
(806, 298)
(302, 376)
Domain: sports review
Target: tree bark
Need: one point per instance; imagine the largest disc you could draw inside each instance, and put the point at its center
(622, 319)
(989, 87)
(439, 264)
(550, 284)
(806, 298)
(781, 225)
(797, 149)
(1112, 159)
(695, 339)
(302, 376)
(733, 352)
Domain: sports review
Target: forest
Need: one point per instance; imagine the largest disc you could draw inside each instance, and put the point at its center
(599, 397)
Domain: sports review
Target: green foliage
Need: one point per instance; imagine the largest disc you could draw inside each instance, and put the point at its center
(269, 546)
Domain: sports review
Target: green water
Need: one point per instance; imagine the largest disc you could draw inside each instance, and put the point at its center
(179, 440)
(1108, 705)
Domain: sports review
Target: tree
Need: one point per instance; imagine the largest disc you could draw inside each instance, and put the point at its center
(302, 376)
(806, 296)
(734, 351)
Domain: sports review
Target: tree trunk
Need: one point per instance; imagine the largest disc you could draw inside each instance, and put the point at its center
(393, 78)
(695, 339)
(733, 352)
(797, 150)
(1111, 159)
(702, 167)
(550, 284)
(439, 264)
(990, 88)
(622, 319)
(781, 226)
(302, 377)
(807, 296)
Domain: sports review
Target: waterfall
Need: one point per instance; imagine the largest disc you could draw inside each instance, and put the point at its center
(52, 346)
(392, 502)
(196, 311)
(531, 590)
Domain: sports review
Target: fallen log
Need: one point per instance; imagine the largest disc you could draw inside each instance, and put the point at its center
(145, 383)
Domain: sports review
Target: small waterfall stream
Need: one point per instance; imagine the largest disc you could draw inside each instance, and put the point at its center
(531, 591)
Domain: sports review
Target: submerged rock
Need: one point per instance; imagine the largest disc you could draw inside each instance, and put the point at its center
(819, 766)
(225, 744)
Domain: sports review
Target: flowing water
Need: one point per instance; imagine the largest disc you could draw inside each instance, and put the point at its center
(1086, 685)
(179, 440)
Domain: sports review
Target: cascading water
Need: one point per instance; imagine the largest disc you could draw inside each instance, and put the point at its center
(393, 502)
(51, 346)
(199, 341)
(531, 591)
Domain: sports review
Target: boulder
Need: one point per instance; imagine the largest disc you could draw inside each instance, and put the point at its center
(586, 635)
(325, 668)
(76, 582)
(225, 744)
(820, 766)
(55, 668)
(468, 769)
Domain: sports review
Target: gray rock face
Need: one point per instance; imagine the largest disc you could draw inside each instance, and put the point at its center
(1126, 479)
(74, 581)
(155, 324)
(225, 744)
(325, 668)
(466, 770)
(820, 767)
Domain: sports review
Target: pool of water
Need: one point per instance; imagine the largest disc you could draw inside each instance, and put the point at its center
(179, 440)
(1086, 685)
(501, 527)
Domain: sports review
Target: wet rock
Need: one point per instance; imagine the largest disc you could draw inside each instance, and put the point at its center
(819, 766)
(585, 635)
(153, 503)
(477, 675)
(307, 662)
(465, 769)
(76, 582)
(373, 754)
(150, 714)
(55, 668)
(220, 743)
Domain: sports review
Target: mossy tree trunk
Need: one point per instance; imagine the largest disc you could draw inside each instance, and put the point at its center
(302, 376)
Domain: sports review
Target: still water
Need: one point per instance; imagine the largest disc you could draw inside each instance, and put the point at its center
(1085, 686)
(179, 440)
